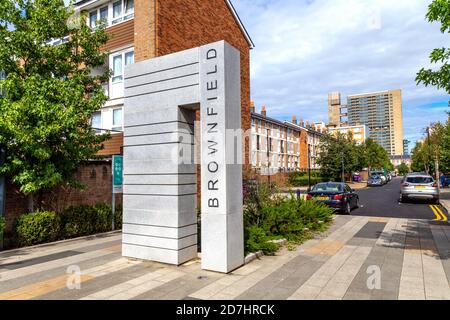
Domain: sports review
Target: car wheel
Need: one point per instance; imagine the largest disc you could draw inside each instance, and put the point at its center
(402, 199)
(348, 209)
(357, 203)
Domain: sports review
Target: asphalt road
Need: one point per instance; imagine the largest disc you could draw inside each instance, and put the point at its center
(384, 202)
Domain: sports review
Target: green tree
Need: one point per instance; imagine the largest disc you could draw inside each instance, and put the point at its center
(337, 152)
(374, 156)
(438, 11)
(420, 158)
(403, 169)
(50, 94)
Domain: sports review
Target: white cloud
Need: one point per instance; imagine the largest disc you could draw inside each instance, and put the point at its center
(305, 49)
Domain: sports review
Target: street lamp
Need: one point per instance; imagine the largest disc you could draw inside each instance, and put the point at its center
(309, 167)
(268, 158)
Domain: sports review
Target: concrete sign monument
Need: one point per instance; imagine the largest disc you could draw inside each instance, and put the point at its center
(160, 192)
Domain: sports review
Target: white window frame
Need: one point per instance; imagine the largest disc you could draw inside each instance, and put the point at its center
(114, 87)
(98, 130)
(117, 128)
(111, 21)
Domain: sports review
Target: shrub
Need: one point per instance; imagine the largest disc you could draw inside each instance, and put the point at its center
(2, 226)
(268, 217)
(256, 239)
(37, 227)
(79, 221)
(87, 219)
(300, 179)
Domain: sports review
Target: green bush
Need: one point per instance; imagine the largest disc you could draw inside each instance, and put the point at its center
(37, 227)
(267, 216)
(300, 179)
(2, 225)
(87, 219)
(78, 221)
(256, 240)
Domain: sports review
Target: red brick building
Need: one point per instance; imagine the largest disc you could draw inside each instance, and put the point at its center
(140, 30)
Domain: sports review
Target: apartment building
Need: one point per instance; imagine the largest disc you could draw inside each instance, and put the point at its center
(359, 133)
(381, 112)
(275, 145)
(282, 146)
(144, 29)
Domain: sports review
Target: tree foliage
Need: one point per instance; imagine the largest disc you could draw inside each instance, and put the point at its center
(50, 94)
(338, 151)
(436, 145)
(403, 169)
(438, 11)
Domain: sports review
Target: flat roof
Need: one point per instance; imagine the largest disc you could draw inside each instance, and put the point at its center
(372, 93)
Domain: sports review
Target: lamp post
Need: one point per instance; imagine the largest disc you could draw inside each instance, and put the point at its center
(309, 167)
(268, 158)
(343, 168)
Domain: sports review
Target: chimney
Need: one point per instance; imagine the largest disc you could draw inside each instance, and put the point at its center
(264, 111)
(252, 106)
(307, 124)
(302, 123)
(294, 119)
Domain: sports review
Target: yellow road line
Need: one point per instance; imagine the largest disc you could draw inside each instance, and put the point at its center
(444, 217)
(438, 217)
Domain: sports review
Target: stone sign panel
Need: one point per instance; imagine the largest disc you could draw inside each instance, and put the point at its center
(160, 191)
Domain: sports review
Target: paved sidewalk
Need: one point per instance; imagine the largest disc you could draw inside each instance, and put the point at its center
(358, 258)
(445, 198)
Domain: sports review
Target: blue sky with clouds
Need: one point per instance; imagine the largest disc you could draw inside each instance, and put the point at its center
(307, 48)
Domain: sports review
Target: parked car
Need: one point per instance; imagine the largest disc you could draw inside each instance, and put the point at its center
(375, 181)
(381, 174)
(419, 186)
(337, 195)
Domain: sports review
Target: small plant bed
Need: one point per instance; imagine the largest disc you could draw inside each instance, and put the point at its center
(269, 217)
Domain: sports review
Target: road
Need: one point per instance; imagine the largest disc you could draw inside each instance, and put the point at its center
(384, 202)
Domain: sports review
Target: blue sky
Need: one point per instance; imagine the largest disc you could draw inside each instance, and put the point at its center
(307, 48)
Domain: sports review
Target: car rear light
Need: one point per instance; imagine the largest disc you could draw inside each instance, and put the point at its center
(434, 185)
(338, 197)
(308, 197)
(406, 184)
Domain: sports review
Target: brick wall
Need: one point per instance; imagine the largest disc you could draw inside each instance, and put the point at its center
(144, 29)
(184, 24)
(95, 176)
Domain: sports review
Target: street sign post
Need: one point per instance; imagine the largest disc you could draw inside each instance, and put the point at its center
(117, 183)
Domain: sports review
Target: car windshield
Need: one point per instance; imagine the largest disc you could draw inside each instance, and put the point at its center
(375, 177)
(419, 180)
(328, 187)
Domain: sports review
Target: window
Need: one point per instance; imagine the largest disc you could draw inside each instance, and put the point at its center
(93, 19)
(117, 119)
(96, 121)
(123, 10)
(116, 12)
(118, 61)
(97, 15)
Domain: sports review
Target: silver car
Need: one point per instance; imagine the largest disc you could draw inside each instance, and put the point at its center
(419, 186)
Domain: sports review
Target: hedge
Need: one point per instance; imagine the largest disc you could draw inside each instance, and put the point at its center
(2, 225)
(43, 226)
(300, 179)
(37, 227)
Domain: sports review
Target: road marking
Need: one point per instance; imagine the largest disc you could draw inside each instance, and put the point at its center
(438, 217)
(444, 217)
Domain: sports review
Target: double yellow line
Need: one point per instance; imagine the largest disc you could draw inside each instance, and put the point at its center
(440, 216)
